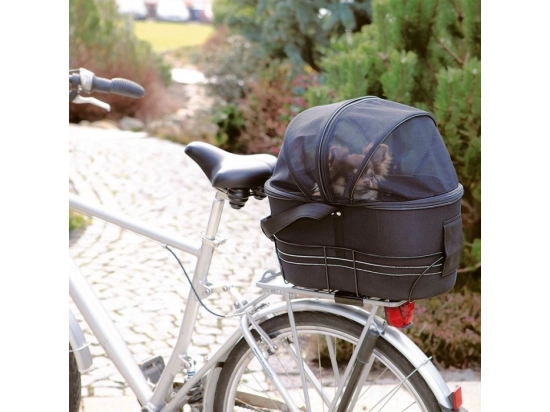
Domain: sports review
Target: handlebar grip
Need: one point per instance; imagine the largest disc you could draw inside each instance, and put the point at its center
(118, 86)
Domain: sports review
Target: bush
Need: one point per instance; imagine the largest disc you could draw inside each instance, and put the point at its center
(102, 41)
(294, 30)
(255, 97)
(229, 119)
(256, 123)
(250, 93)
(266, 110)
(77, 221)
(448, 327)
(230, 62)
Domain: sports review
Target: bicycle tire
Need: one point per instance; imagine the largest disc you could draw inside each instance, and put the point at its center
(74, 383)
(242, 372)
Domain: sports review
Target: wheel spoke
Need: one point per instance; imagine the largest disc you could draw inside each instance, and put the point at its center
(322, 347)
(332, 356)
(310, 375)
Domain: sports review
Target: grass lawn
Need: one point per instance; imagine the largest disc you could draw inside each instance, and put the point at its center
(169, 36)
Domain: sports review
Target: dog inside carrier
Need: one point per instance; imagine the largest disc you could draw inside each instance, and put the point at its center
(365, 200)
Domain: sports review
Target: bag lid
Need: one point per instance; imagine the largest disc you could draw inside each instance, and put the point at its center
(360, 151)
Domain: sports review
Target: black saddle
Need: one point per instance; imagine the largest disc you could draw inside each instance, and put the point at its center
(236, 174)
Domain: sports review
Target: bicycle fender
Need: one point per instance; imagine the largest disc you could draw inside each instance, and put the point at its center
(79, 345)
(391, 334)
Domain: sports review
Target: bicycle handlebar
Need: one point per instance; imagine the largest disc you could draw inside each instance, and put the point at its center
(118, 86)
(90, 83)
(84, 80)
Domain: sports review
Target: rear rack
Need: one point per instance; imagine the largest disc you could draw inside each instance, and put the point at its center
(274, 282)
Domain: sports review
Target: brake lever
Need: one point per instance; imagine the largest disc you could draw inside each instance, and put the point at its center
(92, 100)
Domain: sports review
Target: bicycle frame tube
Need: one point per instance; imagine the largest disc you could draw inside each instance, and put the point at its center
(106, 333)
(131, 224)
(103, 327)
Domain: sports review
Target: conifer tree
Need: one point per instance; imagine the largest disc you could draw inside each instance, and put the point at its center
(296, 30)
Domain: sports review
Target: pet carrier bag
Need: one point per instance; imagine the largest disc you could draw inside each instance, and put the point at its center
(365, 200)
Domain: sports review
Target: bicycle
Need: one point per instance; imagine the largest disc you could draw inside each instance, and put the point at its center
(276, 349)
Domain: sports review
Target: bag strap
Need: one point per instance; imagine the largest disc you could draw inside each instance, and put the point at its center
(273, 224)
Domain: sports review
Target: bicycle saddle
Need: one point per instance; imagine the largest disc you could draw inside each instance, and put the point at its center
(227, 170)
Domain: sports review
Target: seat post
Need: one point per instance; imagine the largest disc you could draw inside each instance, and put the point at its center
(199, 280)
(215, 215)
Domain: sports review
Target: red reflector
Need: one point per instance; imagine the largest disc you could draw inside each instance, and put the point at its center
(456, 398)
(401, 316)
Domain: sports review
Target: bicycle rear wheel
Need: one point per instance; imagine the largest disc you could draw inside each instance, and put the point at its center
(74, 383)
(326, 344)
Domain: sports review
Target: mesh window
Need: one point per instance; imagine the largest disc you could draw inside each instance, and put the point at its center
(363, 150)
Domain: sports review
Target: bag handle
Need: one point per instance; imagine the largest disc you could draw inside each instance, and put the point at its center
(273, 224)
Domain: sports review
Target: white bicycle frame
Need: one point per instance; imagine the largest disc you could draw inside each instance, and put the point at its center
(156, 400)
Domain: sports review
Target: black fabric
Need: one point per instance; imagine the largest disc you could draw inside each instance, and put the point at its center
(454, 239)
(271, 225)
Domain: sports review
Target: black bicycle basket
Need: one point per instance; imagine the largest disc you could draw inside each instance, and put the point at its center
(365, 200)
